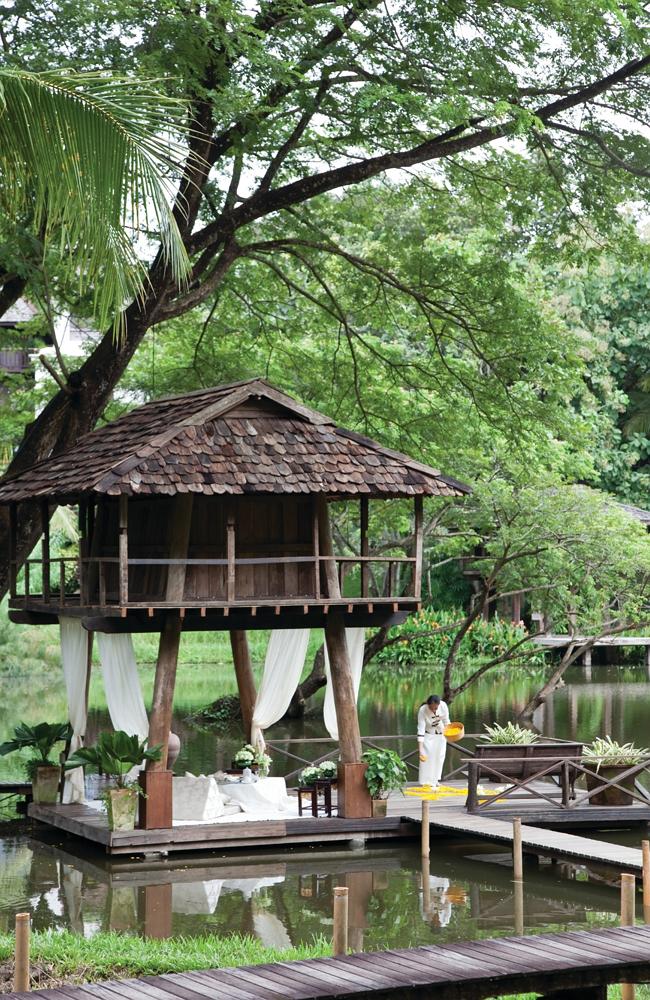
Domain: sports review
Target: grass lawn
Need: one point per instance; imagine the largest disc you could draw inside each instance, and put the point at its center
(62, 957)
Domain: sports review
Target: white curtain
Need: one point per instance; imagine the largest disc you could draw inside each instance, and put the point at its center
(285, 658)
(122, 684)
(74, 659)
(355, 639)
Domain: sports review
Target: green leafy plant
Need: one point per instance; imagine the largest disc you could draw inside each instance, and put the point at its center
(40, 738)
(510, 733)
(115, 753)
(606, 752)
(386, 771)
(250, 756)
(309, 775)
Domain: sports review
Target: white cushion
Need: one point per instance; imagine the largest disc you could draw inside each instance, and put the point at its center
(196, 798)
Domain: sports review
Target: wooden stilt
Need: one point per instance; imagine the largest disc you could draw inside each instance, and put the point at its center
(245, 681)
(21, 963)
(156, 781)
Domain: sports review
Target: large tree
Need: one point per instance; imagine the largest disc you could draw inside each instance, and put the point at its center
(542, 105)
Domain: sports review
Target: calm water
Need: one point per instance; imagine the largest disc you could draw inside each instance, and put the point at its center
(286, 898)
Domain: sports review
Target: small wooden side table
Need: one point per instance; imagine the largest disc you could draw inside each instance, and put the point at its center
(319, 790)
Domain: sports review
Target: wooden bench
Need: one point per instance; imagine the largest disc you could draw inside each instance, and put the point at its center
(522, 764)
(574, 966)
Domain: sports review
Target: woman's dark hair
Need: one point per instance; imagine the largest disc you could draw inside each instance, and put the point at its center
(433, 699)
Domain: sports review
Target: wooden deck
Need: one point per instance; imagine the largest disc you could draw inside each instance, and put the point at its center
(544, 828)
(471, 970)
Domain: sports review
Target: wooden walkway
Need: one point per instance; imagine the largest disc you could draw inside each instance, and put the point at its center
(469, 970)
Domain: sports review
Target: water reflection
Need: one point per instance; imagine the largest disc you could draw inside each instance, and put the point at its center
(394, 900)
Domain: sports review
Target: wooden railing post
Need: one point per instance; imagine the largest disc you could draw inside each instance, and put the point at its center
(645, 850)
(230, 555)
(363, 548)
(45, 550)
(124, 550)
(517, 851)
(13, 566)
(472, 782)
(628, 913)
(21, 965)
(62, 582)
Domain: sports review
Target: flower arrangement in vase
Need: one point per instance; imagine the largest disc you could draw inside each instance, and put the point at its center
(253, 757)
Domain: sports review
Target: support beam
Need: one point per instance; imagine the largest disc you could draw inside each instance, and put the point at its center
(344, 697)
(163, 690)
(13, 573)
(245, 681)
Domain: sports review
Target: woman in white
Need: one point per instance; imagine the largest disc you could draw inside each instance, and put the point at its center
(432, 719)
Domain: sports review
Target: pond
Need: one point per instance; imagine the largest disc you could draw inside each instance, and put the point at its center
(287, 897)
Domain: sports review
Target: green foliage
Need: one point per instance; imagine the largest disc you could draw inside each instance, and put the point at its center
(511, 732)
(385, 773)
(426, 637)
(108, 955)
(40, 737)
(115, 753)
(112, 129)
(606, 752)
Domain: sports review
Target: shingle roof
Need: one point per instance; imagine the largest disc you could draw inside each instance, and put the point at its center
(637, 512)
(243, 438)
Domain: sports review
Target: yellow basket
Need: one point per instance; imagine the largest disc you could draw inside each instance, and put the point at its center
(454, 732)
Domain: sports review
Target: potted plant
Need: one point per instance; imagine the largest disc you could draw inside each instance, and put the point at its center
(43, 773)
(308, 776)
(385, 772)
(116, 754)
(329, 770)
(512, 734)
(253, 757)
(605, 760)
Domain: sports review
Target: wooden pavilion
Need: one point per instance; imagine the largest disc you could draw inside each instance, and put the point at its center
(210, 511)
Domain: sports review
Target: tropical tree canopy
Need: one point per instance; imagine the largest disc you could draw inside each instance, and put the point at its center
(87, 165)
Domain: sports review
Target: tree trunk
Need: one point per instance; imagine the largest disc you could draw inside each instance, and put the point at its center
(313, 682)
(241, 658)
(569, 657)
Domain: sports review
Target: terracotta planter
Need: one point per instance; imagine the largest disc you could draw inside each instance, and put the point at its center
(611, 796)
(45, 786)
(379, 807)
(121, 808)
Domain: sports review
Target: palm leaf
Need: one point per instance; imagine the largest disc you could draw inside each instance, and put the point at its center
(86, 158)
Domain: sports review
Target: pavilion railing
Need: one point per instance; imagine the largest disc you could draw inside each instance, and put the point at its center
(99, 587)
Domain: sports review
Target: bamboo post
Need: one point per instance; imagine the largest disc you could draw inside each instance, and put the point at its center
(519, 908)
(426, 829)
(517, 852)
(426, 885)
(21, 966)
(628, 888)
(340, 936)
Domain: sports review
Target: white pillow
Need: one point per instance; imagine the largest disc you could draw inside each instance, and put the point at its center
(196, 798)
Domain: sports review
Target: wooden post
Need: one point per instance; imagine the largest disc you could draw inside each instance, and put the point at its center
(13, 529)
(327, 549)
(123, 550)
(179, 538)
(517, 853)
(519, 908)
(163, 688)
(21, 967)
(426, 829)
(45, 550)
(83, 552)
(645, 849)
(245, 681)
(628, 913)
(340, 936)
(230, 555)
(419, 547)
(363, 548)
(316, 547)
(426, 884)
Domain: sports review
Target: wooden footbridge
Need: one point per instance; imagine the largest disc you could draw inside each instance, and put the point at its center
(576, 966)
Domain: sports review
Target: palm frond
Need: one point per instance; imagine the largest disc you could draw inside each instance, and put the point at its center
(87, 158)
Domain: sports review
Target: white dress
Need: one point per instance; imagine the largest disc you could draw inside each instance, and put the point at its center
(432, 744)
